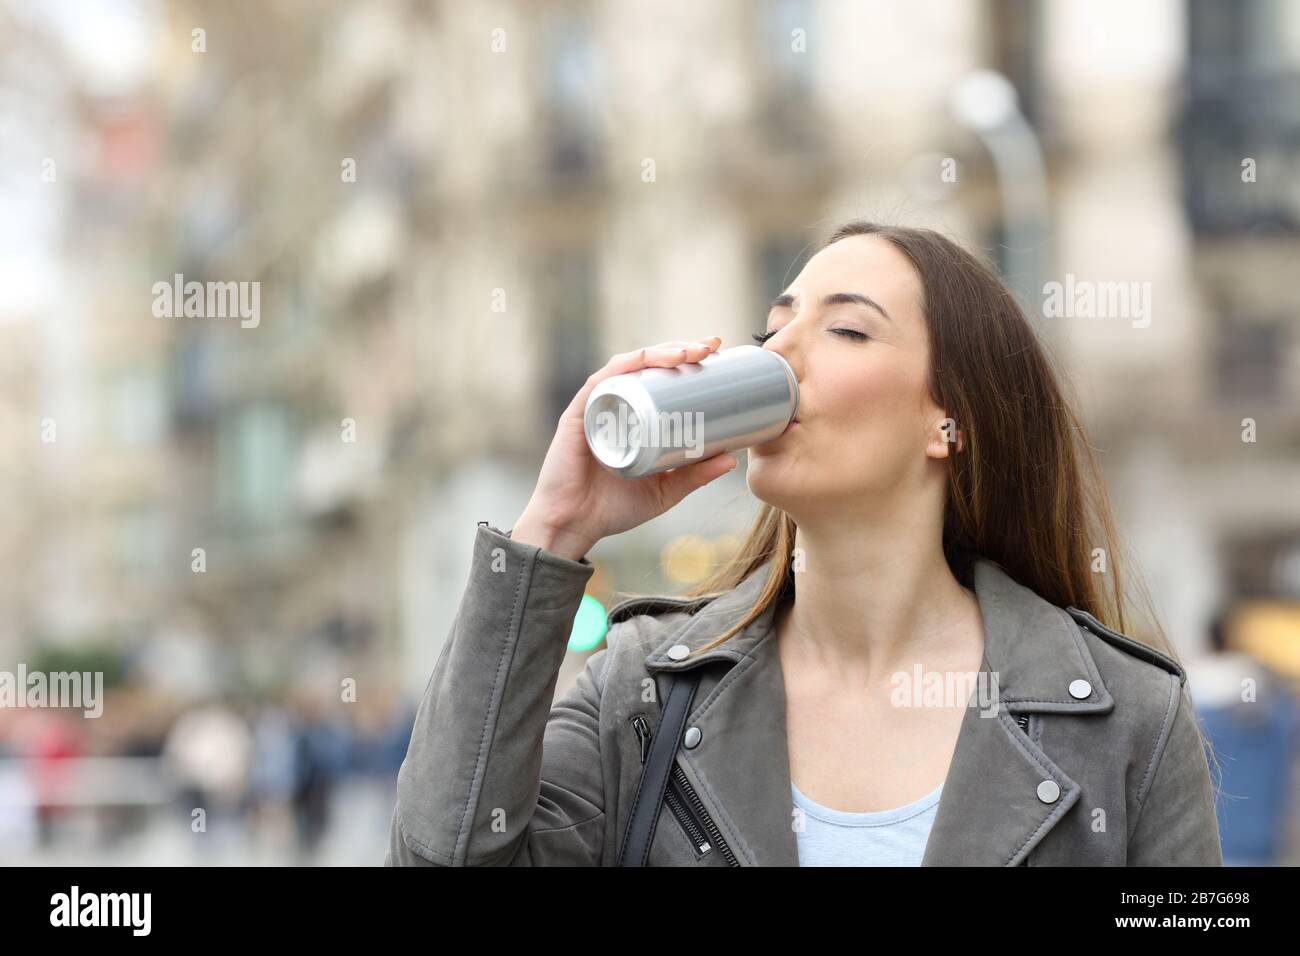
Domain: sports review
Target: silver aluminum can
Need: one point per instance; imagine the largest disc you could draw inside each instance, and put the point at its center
(648, 421)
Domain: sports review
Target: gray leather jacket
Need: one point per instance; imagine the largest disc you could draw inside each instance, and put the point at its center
(1088, 755)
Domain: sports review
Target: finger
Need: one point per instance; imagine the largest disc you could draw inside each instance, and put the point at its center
(672, 352)
(676, 484)
(663, 355)
(669, 354)
(617, 365)
(710, 344)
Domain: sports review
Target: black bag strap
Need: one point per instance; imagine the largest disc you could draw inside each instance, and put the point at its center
(658, 767)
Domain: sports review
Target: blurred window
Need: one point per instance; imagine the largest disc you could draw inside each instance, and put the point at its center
(786, 115)
(1263, 564)
(1015, 38)
(567, 293)
(780, 258)
(139, 538)
(789, 67)
(193, 383)
(137, 406)
(567, 86)
(1243, 102)
(254, 462)
(1248, 358)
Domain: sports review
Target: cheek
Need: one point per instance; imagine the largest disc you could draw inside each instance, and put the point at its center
(880, 412)
(881, 394)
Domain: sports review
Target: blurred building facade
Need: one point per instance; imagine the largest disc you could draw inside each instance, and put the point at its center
(456, 212)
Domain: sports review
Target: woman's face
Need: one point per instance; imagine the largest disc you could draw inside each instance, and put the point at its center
(868, 433)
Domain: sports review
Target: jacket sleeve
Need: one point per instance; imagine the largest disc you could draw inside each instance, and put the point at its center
(497, 772)
(1176, 823)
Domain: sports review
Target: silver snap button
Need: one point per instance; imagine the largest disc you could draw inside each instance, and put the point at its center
(678, 651)
(1048, 791)
(1080, 689)
(692, 739)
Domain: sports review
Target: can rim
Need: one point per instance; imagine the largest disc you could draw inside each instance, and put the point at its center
(629, 388)
(789, 372)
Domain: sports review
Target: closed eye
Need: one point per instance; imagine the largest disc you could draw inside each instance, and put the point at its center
(761, 337)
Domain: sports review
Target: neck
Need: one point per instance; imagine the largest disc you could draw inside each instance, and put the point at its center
(877, 595)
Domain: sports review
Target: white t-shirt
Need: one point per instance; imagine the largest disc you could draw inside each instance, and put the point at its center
(883, 838)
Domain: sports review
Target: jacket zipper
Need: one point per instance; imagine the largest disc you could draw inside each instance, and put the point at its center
(692, 800)
(642, 728)
(685, 804)
(694, 832)
(1023, 721)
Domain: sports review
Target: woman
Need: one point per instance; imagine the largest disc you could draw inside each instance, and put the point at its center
(906, 665)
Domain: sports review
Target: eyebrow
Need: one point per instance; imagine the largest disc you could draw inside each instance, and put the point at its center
(785, 300)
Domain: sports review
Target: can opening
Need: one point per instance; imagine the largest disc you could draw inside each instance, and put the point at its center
(614, 430)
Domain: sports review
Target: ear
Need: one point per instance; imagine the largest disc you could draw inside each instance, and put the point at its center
(944, 435)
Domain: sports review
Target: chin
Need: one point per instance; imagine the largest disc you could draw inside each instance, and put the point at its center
(775, 481)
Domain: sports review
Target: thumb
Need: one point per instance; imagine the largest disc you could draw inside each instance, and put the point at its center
(679, 482)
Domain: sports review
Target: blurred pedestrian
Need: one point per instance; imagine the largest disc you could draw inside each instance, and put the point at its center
(1252, 719)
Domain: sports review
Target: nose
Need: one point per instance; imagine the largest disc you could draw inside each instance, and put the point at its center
(786, 344)
(785, 347)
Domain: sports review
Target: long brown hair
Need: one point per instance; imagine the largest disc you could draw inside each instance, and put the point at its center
(1024, 488)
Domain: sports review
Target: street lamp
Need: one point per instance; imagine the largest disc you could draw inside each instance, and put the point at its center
(985, 102)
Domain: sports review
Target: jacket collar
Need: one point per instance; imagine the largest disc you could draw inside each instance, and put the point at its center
(1034, 647)
(994, 807)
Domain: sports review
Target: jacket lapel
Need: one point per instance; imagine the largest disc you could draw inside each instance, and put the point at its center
(999, 801)
(741, 767)
(992, 811)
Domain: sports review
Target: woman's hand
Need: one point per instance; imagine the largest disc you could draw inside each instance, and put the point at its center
(577, 501)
